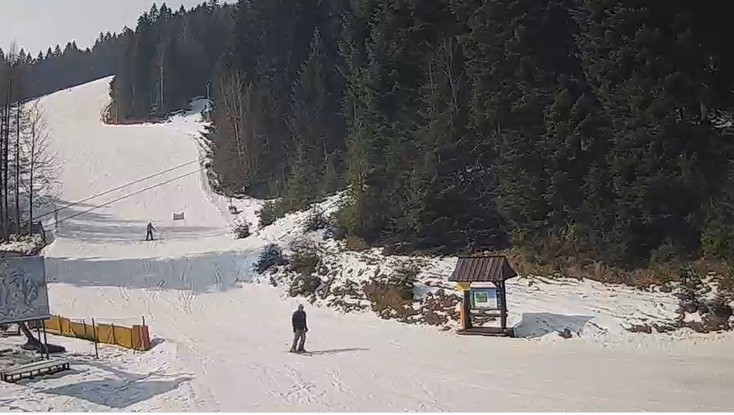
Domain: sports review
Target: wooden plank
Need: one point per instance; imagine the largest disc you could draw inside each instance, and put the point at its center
(31, 367)
(43, 364)
(124, 337)
(487, 331)
(145, 337)
(30, 374)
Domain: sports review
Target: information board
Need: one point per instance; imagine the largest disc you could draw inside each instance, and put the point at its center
(23, 290)
(484, 298)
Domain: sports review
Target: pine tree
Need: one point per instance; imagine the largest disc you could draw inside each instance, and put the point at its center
(302, 183)
(654, 83)
(315, 124)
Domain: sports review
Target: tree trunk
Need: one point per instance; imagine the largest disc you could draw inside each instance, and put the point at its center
(17, 168)
(32, 167)
(2, 141)
(3, 144)
(6, 187)
(162, 86)
(6, 210)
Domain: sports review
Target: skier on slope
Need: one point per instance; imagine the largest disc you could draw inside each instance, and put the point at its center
(299, 330)
(149, 233)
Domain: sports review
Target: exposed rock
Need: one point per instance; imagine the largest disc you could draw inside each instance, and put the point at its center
(680, 314)
(640, 328)
(702, 308)
(688, 305)
(434, 319)
(565, 333)
(664, 328)
(696, 326)
(717, 317)
(305, 285)
(389, 298)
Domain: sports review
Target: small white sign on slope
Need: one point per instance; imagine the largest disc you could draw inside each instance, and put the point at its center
(23, 290)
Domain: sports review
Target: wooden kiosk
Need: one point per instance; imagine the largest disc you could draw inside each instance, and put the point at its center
(482, 282)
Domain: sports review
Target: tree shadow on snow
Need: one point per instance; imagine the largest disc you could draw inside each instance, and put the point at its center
(81, 222)
(128, 376)
(534, 325)
(215, 271)
(118, 393)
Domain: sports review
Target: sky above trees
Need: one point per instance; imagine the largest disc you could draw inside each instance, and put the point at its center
(37, 25)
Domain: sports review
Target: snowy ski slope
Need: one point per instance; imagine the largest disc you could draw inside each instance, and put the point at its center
(102, 239)
(96, 158)
(223, 347)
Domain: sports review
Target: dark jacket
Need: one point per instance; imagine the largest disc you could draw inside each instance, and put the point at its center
(299, 321)
(150, 227)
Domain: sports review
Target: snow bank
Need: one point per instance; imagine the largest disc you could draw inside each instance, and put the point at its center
(539, 308)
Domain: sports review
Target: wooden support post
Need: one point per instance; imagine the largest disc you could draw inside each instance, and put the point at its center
(94, 330)
(45, 339)
(114, 340)
(466, 306)
(462, 316)
(503, 306)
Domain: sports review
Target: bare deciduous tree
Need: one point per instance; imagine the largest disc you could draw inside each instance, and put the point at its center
(17, 162)
(41, 168)
(235, 99)
(161, 62)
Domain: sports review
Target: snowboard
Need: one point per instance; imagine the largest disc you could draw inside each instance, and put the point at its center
(301, 353)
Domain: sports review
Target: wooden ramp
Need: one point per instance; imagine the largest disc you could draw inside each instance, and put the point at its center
(32, 370)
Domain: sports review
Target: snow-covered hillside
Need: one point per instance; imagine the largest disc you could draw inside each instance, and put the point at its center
(102, 240)
(222, 346)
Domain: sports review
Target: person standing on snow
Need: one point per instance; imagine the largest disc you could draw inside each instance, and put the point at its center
(299, 330)
(149, 233)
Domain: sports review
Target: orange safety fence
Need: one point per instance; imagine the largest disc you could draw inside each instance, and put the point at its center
(136, 337)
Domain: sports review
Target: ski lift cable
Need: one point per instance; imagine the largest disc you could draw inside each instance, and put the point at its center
(132, 194)
(116, 189)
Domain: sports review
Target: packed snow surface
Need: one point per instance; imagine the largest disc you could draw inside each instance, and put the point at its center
(222, 346)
